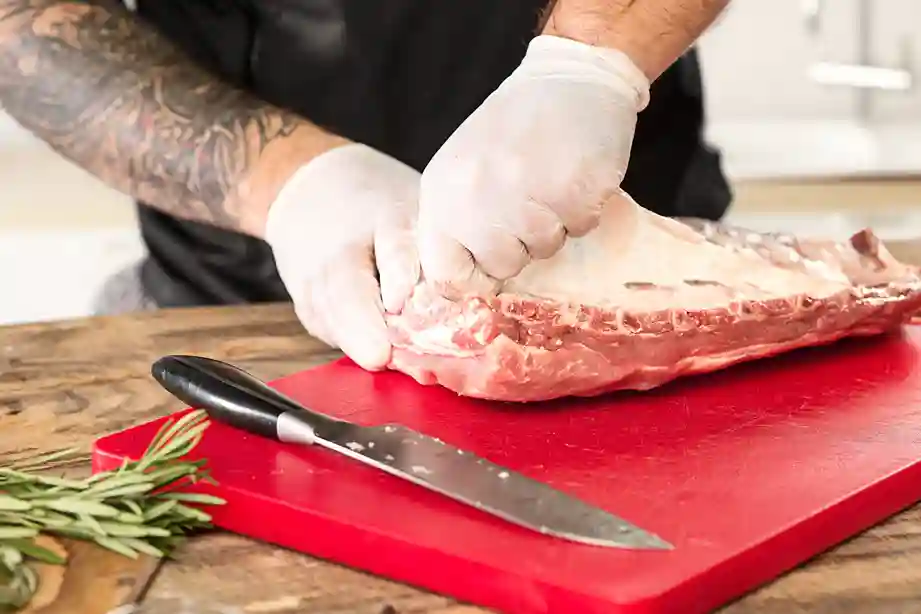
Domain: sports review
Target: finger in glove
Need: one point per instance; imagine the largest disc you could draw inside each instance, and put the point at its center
(349, 297)
(449, 267)
(397, 261)
(498, 253)
(311, 319)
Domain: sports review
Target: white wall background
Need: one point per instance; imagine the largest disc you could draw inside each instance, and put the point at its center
(755, 62)
(757, 58)
(772, 119)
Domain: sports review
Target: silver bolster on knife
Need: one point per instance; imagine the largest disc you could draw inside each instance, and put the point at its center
(292, 429)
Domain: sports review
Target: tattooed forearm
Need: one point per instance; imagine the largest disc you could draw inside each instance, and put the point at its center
(118, 99)
(654, 33)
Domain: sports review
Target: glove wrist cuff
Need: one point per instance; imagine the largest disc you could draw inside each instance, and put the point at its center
(551, 56)
(310, 178)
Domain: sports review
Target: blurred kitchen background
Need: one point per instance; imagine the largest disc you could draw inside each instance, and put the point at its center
(814, 103)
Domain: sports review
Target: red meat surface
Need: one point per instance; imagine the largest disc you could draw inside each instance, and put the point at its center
(643, 300)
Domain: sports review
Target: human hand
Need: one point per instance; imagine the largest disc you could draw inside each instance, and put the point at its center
(341, 230)
(534, 163)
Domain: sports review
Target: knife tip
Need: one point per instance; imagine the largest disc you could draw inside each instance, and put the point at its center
(639, 540)
(657, 543)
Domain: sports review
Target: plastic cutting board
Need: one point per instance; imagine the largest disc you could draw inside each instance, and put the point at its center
(748, 472)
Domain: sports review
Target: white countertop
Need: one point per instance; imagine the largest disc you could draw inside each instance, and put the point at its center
(769, 149)
(888, 226)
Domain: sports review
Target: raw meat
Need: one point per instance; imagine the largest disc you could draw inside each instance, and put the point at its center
(644, 299)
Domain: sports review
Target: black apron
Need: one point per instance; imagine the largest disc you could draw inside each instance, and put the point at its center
(400, 76)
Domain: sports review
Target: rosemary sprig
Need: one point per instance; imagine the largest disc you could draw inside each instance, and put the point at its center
(137, 508)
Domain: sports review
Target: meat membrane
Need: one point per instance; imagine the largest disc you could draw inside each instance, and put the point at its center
(642, 300)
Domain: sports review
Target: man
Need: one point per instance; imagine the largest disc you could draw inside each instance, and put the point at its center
(287, 149)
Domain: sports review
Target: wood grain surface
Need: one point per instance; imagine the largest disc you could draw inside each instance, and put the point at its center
(66, 383)
(94, 581)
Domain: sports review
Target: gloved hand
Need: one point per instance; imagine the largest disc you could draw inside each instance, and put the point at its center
(344, 219)
(534, 163)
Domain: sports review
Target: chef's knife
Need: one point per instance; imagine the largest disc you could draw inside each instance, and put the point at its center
(239, 399)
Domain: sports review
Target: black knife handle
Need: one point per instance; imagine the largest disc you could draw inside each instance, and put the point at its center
(231, 395)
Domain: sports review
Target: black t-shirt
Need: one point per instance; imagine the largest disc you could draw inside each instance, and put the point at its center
(400, 76)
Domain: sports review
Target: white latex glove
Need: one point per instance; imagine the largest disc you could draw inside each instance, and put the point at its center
(534, 163)
(343, 220)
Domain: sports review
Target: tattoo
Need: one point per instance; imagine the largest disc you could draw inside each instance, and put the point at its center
(120, 100)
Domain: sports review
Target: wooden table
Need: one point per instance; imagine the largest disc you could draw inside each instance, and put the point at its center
(66, 383)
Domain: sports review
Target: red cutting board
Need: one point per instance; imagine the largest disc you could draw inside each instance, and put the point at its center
(748, 472)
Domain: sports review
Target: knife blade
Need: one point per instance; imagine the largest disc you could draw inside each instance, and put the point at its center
(239, 399)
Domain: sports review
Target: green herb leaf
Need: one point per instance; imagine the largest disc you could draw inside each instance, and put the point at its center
(143, 547)
(12, 504)
(17, 532)
(193, 497)
(159, 510)
(117, 545)
(134, 509)
(81, 507)
(29, 548)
